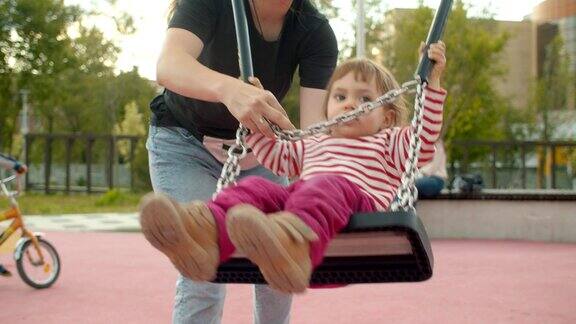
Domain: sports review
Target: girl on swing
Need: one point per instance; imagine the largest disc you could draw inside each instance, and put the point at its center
(285, 230)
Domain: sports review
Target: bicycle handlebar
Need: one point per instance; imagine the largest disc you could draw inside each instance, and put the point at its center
(11, 164)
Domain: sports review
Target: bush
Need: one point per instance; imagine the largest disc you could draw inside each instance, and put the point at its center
(111, 197)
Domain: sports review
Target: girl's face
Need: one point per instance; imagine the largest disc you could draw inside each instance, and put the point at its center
(346, 94)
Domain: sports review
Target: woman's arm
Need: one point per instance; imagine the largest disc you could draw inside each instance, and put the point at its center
(311, 106)
(179, 71)
(318, 55)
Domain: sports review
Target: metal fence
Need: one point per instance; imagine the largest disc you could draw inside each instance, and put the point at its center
(67, 155)
(92, 163)
(518, 165)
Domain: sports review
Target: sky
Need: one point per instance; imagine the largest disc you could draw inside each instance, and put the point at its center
(142, 48)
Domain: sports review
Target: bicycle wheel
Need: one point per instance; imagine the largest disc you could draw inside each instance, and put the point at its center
(35, 273)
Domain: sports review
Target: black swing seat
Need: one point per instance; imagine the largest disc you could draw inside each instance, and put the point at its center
(373, 248)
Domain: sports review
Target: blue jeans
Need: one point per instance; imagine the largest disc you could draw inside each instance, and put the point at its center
(429, 186)
(183, 169)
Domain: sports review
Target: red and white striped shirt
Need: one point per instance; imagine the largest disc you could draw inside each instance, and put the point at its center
(375, 162)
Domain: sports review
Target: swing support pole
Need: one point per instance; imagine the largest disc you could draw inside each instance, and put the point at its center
(243, 40)
(434, 35)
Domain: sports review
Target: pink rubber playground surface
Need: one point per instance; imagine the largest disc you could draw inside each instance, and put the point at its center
(119, 278)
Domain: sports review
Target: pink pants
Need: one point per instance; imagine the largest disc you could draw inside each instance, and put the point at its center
(325, 203)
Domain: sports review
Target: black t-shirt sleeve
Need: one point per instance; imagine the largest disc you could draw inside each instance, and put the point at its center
(318, 57)
(197, 16)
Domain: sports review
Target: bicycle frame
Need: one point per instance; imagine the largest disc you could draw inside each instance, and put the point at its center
(14, 213)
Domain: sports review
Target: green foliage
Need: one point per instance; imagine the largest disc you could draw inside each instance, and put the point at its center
(133, 124)
(111, 197)
(52, 50)
(58, 204)
(473, 109)
(49, 48)
(327, 8)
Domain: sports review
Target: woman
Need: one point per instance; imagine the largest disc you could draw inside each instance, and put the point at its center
(196, 117)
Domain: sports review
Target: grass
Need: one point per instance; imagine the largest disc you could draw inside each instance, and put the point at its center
(113, 201)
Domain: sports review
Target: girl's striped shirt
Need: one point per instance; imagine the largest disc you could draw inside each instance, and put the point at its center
(375, 163)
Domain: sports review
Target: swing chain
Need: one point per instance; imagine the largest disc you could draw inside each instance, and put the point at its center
(236, 152)
(323, 127)
(407, 192)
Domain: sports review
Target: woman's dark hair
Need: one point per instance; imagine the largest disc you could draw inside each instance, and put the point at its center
(171, 7)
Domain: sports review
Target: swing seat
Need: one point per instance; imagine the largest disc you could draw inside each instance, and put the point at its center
(373, 248)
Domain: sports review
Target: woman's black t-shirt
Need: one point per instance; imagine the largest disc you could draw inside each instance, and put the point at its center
(306, 41)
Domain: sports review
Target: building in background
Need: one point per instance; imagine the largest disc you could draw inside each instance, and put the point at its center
(524, 54)
(518, 59)
(552, 18)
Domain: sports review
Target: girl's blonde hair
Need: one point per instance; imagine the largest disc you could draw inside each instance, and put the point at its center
(367, 70)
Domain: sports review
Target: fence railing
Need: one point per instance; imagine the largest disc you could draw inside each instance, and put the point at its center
(513, 164)
(77, 150)
(92, 163)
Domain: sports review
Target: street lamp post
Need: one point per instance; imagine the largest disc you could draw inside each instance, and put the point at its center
(24, 116)
(24, 128)
(360, 32)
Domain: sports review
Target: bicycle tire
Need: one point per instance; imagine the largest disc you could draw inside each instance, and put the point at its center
(51, 253)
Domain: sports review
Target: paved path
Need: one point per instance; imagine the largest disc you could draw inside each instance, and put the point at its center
(119, 278)
(104, 222)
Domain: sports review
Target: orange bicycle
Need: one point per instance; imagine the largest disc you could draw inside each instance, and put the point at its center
(37, 260)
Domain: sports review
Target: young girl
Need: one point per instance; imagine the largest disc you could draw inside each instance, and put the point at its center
(285, 230)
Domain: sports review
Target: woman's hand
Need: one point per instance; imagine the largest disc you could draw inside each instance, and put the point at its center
(250, 104)
(436, 53)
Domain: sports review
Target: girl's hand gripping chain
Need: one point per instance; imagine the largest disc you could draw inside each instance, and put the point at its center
(437, 53)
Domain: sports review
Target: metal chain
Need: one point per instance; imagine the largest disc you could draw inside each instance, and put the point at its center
(323, 127)
(407, 192)
(236, 152)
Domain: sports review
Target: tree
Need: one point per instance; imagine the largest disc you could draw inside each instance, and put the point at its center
(32, 46)
(553, 87)
(133, 124)
(473, 108)
(67, 65)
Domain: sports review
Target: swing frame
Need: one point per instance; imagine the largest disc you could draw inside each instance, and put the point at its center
(378, 247)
